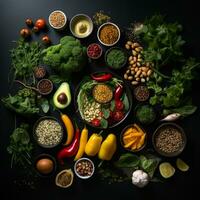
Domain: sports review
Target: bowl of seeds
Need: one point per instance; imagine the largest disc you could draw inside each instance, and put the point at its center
(58, 20)
(48, 132)
(169, 139)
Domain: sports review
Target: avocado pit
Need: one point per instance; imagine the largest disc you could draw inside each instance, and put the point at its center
(62, 98)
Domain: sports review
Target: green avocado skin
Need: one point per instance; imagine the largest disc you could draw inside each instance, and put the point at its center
(63, 88)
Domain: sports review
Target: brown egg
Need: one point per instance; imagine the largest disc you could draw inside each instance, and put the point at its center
(45, 165)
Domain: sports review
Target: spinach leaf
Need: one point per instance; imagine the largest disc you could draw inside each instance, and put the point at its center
(128, 160)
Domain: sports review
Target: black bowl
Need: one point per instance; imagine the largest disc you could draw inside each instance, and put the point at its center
(35, 136)
(118, 48)
(128, 93)
(157, 132)
(122, 143)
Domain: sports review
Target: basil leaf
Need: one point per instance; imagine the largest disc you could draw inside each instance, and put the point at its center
(45, 106)
(128, 160)
(104, 123)
(126, 102)
(106, 113)
(112, 106)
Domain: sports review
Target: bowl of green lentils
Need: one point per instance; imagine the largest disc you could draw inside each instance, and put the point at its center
(48, 132)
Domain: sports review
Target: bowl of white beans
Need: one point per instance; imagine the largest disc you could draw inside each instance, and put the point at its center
(48, 132)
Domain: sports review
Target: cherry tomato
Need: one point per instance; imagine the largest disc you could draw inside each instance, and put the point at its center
(119, 105)
(118, 115)
(96, 122)
(40, 24)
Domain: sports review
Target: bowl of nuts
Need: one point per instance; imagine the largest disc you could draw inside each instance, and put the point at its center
(84, 168)
(48, 132)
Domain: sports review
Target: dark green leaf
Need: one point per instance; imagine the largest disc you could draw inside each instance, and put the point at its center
(128, 160)
(112, 106)
(126, 102)
(106, 113)
(104, 123)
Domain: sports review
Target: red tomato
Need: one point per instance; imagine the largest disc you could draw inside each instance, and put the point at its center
(96, 122)
(40, 24)
(119, 105)
(118, 115)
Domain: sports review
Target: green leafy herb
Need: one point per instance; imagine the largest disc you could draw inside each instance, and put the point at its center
(148, 163)
(128, 160)
(106, 113)
(171, 94)
(104, 123)
(24, 102)
(20, 147)
(126, 102)
(25, 57)
(184, 110)
(162, 40)
(56, 79)
(112, 105)
(44, 103)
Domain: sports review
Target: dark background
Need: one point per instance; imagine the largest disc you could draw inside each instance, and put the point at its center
(13, 14)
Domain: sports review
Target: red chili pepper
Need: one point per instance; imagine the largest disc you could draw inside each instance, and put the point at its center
(70, 150)
(118, 92)
(102, 78)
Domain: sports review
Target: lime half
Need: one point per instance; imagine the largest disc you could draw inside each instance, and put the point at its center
(181, 165)
(166, 170)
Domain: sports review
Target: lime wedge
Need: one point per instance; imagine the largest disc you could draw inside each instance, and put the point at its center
(166, 170)
(181, 165)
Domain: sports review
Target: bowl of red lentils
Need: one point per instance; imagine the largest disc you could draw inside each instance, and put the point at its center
(108, 34)
(58, 20)
(84, 168)
(169, 139)
(94, 51)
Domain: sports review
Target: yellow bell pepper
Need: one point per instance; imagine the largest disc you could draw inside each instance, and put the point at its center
(93, 145)
(108, 147)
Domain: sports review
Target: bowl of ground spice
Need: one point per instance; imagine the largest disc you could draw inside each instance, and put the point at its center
(108, 34)
(169, 139)
(45, 86)
(58, 20)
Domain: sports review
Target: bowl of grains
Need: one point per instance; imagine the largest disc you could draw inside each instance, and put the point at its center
(48, 132)
(169, 139)
(84, 168)
(108, 34)
(58, 20)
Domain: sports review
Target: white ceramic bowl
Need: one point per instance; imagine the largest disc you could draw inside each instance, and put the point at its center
(98, 33)
(60, 27)
(75, 19)
(83, 159)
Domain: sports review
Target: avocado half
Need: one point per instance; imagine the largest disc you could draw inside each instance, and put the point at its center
(63, 89)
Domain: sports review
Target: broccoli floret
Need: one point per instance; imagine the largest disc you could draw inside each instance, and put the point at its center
(67, 57)
(66, 39)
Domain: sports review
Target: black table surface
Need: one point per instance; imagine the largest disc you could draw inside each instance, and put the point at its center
(13, 14)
